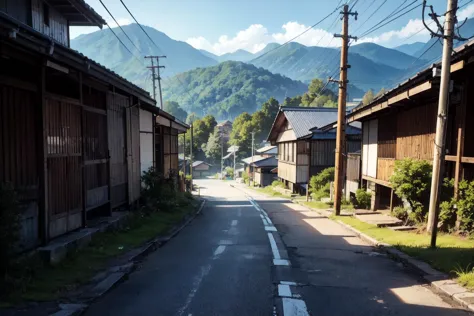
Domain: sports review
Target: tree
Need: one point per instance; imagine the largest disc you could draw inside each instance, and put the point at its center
(214, 146)
(296, 101)
(191, 118)
(241, 133)
(381, 92)
(368, 97)
(174, 109)
(202, 128)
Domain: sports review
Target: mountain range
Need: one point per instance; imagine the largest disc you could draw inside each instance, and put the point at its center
(372, 66)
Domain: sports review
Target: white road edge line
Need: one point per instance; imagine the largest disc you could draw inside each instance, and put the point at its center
(294, 307)
(270, 228)
(219, 250)
(276, 253)
(234, 222)
(284, 290)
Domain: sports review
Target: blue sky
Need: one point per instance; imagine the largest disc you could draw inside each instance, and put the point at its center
(223, 26)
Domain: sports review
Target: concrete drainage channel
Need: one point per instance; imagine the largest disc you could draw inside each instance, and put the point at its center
(286, 302)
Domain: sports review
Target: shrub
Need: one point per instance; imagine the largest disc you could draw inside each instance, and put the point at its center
(401, 213)
(158, 193)
(363, 198)
(9, 228)
(410, 180)
(276, 184)
(229, 171)
(320, 184)
(245, 177)
(463, 208)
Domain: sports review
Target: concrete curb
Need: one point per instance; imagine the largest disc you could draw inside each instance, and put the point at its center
(438, 280)
(118, 274)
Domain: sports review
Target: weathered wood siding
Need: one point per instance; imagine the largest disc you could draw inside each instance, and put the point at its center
(64, 173)
(18, 156)
(387, 137)
(385, 168)
(96, 162)
(287, 171)
(18, 9)
(134, 167)
(323, 152)
(353, 167)
(116, 105)
(416, 131)
(56, 27)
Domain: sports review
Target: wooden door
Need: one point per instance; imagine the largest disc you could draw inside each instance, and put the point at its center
(133, 153)
(64, 158)
(116, 116)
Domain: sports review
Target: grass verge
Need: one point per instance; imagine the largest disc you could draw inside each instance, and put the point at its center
(454, 254)
(35, 281)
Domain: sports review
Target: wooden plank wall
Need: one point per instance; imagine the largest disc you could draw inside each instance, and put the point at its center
(58, 26)
(387, 138)
(416, 131)
(64, 174)
(353, 167)
(134, 173)
(18, 9)
(116, 105)
(323, 153)
(385, 167)
(18, 156)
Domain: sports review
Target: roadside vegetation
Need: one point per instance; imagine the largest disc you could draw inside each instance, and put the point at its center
(454, 255)
(30, 279)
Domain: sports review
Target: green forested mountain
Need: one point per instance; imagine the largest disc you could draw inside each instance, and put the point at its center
(238, 55)
(103, 47)
(228, 89)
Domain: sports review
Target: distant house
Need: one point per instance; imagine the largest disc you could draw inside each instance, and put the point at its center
(260, 168)
(269, 150)
(201, 169)
(402, 124)
(306, 143)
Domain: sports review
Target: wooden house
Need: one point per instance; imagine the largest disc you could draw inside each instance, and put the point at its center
(69, 127)
(402, 124)
(201, 169)
(306, 145)
(159, 132)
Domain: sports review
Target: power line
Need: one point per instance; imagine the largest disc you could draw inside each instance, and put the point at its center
(126, 8)
(358, 28)
(140, 61)
(381, 24)
(305, 31)
(138, 49)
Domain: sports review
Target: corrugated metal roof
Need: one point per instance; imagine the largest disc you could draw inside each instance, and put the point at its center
(256, 158)
(268, 150)
(303, 119)
(269, 162)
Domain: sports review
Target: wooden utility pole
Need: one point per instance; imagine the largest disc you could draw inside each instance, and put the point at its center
(440, 138)
(154, 71)
(253, 168)
(341, 112)
(191, 157)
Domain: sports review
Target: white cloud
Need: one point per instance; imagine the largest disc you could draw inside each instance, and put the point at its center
(467, 12)
(312, 37)
(256, 37)
(120, 21)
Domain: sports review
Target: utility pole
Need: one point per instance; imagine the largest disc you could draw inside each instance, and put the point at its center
(253, 168)
(440, 138)
(191, 157)
(222, 156)
(154, 71)
(341, 112)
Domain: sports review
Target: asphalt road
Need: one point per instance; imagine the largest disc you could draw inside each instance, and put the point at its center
(253, 255)
(219, 265)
